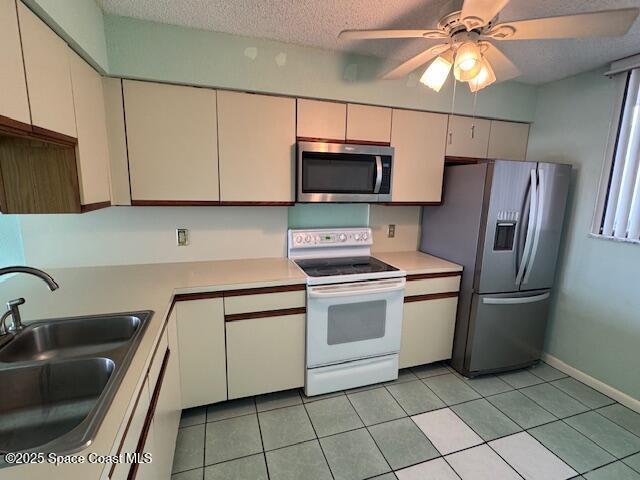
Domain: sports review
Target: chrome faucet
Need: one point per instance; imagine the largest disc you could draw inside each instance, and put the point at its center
(13, 306)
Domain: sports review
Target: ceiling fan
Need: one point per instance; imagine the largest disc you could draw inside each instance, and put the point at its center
(467, 29)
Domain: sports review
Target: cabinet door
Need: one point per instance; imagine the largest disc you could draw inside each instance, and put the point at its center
(427, 331)
(46, 61)
(202, 351)
(257, 136)
(13, 85)
(117, 141)
(168, 409)
(92, 149)
(171, 135)
(265, 354)
(321, 120)
(366, 123)
(508, 140)
(418, 162)
(468, 137)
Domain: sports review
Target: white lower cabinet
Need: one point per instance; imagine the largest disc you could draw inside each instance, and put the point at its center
(427, 331)
(201, 342)
(265, 354)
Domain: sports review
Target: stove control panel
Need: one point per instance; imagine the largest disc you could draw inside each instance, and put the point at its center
(315, 238)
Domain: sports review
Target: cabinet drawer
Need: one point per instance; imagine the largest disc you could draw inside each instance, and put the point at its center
(429, 286)
(263, 302)
(427, 331)
(265, 355)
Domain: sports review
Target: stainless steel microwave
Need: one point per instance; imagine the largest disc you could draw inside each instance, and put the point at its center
(335, 172)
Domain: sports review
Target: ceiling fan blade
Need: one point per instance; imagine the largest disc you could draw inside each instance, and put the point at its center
(379, 34)
(608, 23)
(415, 62)
(477, 13)
(502, 66)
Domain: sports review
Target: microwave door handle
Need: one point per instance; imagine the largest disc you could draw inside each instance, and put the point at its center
(376, 189)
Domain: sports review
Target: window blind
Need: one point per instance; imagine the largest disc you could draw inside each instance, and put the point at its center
(622, 210)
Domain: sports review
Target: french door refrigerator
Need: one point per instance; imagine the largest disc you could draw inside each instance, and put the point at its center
(501, 220)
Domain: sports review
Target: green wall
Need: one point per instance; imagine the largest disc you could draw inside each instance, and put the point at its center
(320, 215)
(11, 247)
(154, 51)
(595, 322)
(80, 23)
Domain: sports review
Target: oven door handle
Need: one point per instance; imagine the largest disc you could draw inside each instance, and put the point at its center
(376, 189)
(335, 291)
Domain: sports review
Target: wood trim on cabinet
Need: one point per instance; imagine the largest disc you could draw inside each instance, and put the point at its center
(90, 207)
(257, 204)
(182, 297)
(150, 414)
(174, 203)
(268, 313)
(424, 276)
(55, 137)
(9, 125)
(260, 290)
(451, 160)
(320, 140)
(368, 142)
(430, 296)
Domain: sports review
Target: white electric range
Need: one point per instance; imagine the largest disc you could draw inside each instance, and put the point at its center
(354, 309)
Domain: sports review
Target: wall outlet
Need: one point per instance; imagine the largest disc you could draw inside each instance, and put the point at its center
(392, 231)
(182, 237)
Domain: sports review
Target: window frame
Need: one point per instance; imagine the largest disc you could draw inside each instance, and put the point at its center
(615, 125)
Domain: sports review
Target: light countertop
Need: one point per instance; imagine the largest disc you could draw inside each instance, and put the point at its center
(417, 263)
(96, 290)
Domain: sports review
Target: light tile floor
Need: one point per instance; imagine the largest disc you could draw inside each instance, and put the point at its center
(431, 423)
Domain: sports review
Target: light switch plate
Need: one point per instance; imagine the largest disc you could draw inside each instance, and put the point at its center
(182, 237)
(392, 231)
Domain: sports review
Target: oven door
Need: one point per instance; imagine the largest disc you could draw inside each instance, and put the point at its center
(353, 320)
(343, 173)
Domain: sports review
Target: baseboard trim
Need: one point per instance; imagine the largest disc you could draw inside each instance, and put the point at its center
(609, 391)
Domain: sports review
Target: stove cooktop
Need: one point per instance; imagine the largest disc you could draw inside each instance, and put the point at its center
(327, 267)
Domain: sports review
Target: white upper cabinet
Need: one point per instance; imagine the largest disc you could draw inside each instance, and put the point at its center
(13, 100)
(172, 142)
(46, 61)
(468, 137)
(366, 123)
(418, 164)
(257, 135)
(117, 141)
(93, 152)
(321, 120)
(508, 140)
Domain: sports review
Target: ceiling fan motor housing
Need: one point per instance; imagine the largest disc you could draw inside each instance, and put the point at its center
(451, 23)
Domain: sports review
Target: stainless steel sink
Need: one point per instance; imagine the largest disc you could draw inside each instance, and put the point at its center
(70, 337)
(59, 377)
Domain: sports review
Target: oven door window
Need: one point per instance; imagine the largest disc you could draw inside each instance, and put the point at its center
(354, 322)
(332, 173)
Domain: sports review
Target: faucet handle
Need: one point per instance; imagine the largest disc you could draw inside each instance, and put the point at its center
(16, 303)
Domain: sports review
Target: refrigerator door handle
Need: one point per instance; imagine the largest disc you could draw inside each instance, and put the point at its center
(515, 300)
(536, 239)
(533, 206)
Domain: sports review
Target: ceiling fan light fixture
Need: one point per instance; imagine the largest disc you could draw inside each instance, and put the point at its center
(436, 74)
(468, 61)
(485, 77)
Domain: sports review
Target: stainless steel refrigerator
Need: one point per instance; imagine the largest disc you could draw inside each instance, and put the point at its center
(502, 220)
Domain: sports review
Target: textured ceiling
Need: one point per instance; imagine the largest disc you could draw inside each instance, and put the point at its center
(318, 22)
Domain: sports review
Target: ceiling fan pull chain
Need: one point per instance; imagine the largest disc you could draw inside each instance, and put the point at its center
(473, 124)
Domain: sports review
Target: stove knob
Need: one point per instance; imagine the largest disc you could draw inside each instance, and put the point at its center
(356, 236)
(298, 238)
(343, 237)
(307, 238)
(364, 236)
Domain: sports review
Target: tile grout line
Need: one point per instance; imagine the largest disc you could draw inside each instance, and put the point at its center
(317, 439)
(264, 453)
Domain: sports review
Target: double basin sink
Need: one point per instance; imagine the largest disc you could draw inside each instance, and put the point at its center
(58, 378)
